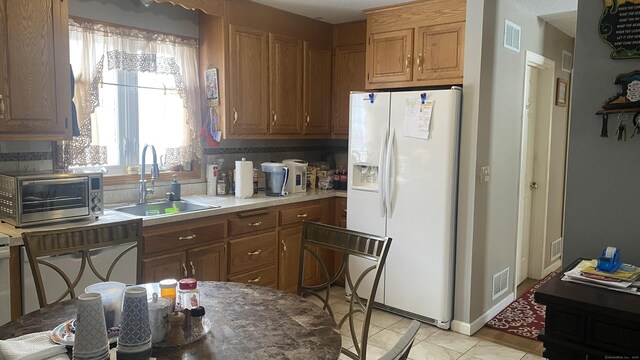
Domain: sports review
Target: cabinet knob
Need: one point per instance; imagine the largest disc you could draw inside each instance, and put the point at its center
(284, 245)
(274, 118)
(307, 119)
(235, 116)
(257, 252)
(533, 186)
(254, 280)
(407, 63)
(185, 270)
(190, 237)
(302, 216)
(1, 107)
(419, 62)
(255, 223)
(193, 268)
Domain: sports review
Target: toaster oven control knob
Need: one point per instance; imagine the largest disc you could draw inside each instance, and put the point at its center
(95, 209)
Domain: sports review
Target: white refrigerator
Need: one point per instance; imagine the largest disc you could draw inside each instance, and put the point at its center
(403, 163)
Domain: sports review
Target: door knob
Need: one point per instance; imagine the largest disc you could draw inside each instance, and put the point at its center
(533, 186)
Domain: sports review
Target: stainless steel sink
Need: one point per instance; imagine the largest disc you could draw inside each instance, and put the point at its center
(163, 208)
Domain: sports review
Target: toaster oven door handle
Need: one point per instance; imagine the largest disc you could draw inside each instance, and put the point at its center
(56, 181)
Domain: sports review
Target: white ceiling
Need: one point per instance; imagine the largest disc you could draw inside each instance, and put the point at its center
(331, 11)
(559, 13)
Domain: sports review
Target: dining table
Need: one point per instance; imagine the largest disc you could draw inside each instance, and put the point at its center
(247, 322)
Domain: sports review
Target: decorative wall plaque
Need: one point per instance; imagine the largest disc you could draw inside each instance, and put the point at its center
(629, 95)
(620, 27)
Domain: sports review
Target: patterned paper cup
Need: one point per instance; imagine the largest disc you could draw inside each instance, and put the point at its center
(91, 333)
(135, 332)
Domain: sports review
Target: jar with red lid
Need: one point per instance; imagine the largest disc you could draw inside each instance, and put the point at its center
(188, 294)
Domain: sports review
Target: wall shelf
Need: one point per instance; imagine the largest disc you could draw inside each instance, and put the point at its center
(604, 132)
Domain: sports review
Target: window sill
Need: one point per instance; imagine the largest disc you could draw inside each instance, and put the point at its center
(196, 173)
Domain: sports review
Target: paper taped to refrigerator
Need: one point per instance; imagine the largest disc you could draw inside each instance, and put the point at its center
(417, 118)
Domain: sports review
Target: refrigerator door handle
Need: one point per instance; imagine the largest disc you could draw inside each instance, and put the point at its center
(390, 176)
(382, 177)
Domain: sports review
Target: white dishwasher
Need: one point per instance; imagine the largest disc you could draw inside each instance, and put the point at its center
(5, 295)
(125, 272)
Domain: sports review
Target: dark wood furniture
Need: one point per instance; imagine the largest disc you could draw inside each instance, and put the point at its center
(248, 322)
(587, 322)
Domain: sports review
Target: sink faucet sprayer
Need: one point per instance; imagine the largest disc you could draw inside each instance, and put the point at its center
(155, 174)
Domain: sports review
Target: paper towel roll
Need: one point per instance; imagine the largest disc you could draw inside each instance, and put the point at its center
(244, 179)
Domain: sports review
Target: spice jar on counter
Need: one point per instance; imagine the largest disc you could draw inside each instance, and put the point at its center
(168, 290)
(188, 294)
(222, 184)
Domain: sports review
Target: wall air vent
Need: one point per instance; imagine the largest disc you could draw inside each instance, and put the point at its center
(567, 61)
(556, 249)
(500, 283)
(512, 36)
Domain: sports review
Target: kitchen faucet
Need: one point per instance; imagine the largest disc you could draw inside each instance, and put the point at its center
(155, 174)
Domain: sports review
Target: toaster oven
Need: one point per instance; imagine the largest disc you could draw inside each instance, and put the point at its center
(44, 197)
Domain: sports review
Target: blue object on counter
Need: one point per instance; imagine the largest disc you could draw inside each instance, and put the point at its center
(610, 260)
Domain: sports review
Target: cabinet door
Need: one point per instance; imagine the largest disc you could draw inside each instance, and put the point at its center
(439, 54)
(248, 62)
(390, 57)
(285, 78)
(289, 262)
(171, 266)
(34, 70)
(317, 89)
(348, 75)
(208, 263)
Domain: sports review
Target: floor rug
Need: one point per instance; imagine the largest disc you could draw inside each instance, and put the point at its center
(523, 317)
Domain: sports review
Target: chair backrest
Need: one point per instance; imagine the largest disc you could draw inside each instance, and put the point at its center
(42, 245)
(401, 349)
(348, 243)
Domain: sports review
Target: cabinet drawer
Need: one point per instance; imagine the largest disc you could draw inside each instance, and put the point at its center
(263, 277)
(297, 215)
(186, 236)
(252, 252)
(251, 222)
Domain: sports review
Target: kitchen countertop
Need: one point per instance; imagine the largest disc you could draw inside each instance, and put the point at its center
(228, 204)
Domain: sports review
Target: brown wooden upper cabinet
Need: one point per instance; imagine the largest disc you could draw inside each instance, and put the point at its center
(418, 44)
(248, 60)
(317, 89)
(285, 78)
(35, 86)
(348, 75)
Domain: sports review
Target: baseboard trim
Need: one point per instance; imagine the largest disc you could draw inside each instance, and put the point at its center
(470, 329)
(550, 268)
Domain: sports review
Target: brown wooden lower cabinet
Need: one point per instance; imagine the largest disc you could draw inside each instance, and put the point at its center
(208, 263)
(289, 259)
(264, 277)
(161, 267)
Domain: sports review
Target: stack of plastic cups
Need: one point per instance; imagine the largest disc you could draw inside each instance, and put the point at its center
(91, 332)
(134, 341)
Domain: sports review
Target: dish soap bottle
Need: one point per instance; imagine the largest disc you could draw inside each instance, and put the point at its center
(174, 189)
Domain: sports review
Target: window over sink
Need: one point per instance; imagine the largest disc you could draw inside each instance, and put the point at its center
(132, 87)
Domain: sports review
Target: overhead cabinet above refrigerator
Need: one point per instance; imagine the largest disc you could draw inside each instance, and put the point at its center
(403, 163)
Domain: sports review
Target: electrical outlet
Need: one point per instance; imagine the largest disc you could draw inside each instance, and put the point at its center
(484, 174)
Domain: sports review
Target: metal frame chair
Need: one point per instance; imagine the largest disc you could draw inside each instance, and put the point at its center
(41, 245)
(316, 236)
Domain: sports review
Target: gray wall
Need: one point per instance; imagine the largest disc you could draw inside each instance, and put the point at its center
(492, 127)
(602, 202)
(159, 17)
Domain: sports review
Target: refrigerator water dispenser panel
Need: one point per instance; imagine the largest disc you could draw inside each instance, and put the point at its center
(364, 177)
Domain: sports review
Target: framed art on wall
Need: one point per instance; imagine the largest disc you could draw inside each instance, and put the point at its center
(562, 92)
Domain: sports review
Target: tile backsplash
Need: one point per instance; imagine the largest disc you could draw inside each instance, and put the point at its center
(25, 156)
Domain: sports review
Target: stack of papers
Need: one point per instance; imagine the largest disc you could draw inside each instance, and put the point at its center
(626, 279)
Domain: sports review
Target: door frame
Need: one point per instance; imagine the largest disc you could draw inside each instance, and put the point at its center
(540, 199)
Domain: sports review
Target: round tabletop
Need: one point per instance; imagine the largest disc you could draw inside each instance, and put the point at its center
(248, 322)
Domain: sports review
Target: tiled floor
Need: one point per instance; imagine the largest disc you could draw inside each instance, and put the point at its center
(430, 343)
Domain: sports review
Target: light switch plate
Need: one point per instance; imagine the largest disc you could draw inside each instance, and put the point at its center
(484, 174)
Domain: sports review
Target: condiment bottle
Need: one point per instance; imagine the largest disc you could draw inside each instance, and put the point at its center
(168, 290)
(197, 315)
(222, 184)
(188, 294)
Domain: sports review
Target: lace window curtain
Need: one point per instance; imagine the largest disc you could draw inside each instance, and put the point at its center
(97, 48)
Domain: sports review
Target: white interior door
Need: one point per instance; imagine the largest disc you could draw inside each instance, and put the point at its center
(529, 121)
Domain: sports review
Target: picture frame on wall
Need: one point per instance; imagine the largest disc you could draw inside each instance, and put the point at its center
(562, 92)
(211, 84)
